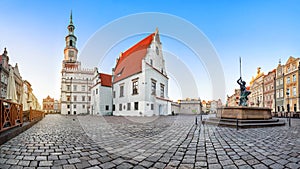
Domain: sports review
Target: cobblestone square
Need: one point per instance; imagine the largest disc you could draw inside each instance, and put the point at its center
(149, 142)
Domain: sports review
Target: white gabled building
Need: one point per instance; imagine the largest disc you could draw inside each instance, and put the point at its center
(101, 92)
(75, 81)
(140, 81)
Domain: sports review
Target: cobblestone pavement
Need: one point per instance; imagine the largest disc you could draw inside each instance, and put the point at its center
(157, 142)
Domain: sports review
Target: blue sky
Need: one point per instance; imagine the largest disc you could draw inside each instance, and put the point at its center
(261, 32)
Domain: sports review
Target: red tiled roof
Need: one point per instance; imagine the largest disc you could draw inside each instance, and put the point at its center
(106, 80)
(130, 62)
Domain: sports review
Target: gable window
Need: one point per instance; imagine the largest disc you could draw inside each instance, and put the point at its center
(153, 87)
(122, 90)
(136, 105)
(162, 90)
(135, 84)
(157, 50)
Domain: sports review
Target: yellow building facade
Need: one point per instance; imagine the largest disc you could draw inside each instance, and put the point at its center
(256, 98)
(291, 84)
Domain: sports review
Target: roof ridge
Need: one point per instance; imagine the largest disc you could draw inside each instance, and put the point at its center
(134, 48)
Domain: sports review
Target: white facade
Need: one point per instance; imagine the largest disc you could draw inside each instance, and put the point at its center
(190, 106)
(75, 90)
(101, 103)
(144, 93)
(76, 81)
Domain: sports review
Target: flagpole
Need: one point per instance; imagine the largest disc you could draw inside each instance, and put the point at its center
(240, 68)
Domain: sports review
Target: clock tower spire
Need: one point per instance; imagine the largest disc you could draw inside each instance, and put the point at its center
(70, 50)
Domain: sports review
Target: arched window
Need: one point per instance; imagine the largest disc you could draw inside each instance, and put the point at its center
(71, 43)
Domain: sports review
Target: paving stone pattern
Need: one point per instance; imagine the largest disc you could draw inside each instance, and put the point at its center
(71, 142)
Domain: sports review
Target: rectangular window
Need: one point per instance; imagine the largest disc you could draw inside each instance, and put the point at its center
(75, 88)
(277, 94)
(135, 84)
(75, 98)
(162, 90)
(120, 107)
(151, 62)
(281, 81)
(114, 94)
(83, 106)
(136, 105)
(68, 87)
(68, 106)
(89, 98)
(294, 78)
(83, 98)
(68, 98)
(288, 80)
(96, 91)
(74, 106)
(113, 108)
(128, 106)
(107, 107)
(82, 88)
(153, 87)
(152, 106)
(281, 92)
(288, 93)
(122, 91)
(294, 91)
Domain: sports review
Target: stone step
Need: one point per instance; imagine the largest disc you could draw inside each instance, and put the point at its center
(252, 124)
(244, 121)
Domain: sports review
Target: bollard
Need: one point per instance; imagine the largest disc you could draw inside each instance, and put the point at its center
(196, 120)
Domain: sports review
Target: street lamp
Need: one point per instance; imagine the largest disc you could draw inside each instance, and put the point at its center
(288, 107)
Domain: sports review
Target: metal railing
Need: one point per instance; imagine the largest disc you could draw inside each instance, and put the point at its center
(11, 115)
(35, 115)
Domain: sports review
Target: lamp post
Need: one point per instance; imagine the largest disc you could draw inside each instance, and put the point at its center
(71, 96)
(288, 108)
